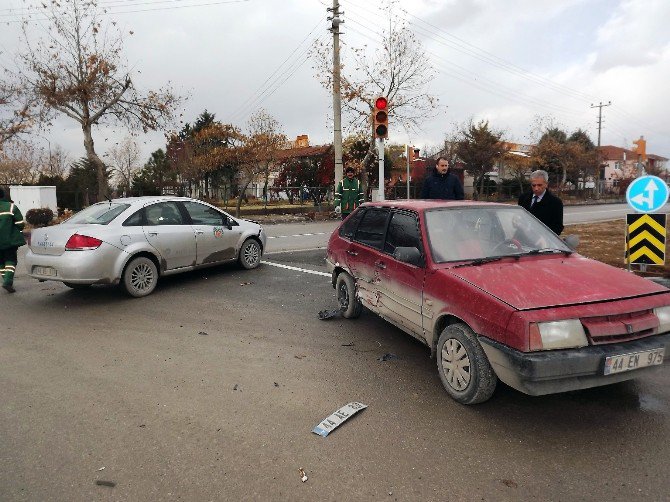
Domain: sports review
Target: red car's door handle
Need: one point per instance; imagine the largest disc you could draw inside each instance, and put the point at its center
(352, 253)
(380, 264)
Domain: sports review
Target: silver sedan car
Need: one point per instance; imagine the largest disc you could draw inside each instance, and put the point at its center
(133, 241)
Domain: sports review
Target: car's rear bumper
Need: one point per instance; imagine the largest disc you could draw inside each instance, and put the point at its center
(548, 372)
(98, 266)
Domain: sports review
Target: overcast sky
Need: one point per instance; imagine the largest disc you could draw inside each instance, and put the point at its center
(506, 61)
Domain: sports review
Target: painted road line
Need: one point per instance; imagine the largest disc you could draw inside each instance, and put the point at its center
(296, 235)
(297, 269)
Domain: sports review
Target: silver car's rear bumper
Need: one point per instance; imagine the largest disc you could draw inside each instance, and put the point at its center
(97, 266)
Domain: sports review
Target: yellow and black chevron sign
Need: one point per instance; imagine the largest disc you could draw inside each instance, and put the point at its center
(645, 239)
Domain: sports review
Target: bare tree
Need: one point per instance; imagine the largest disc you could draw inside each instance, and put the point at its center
(398, 70)
(124, 162)
(16, 114)
(77, 70)
(19, 163)
(54, 163)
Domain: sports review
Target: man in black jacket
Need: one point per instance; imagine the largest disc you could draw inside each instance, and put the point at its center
(442, 184)
(543, 204)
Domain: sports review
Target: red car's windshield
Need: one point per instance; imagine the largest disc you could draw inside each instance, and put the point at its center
(472, 233)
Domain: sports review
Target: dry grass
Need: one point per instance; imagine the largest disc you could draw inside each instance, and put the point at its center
(606, 242)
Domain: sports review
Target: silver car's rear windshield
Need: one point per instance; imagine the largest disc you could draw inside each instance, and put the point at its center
(99, 214)
(480, 232)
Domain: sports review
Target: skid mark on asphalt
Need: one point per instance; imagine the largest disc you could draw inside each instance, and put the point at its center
(297, 269)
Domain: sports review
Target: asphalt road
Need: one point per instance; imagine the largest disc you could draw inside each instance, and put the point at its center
(209, 388)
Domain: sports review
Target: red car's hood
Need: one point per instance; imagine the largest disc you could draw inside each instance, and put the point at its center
(556, 280)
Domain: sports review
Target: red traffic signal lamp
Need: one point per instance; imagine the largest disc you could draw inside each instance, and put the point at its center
(380, 118)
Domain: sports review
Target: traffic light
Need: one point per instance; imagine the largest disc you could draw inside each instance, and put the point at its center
(380, 118)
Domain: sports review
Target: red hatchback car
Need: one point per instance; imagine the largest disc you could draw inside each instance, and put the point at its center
(496, 295)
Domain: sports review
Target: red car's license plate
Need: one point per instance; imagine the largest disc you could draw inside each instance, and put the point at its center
(634, 360)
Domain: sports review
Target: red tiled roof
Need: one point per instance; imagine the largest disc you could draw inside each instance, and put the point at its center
(656, 157)
(308, 151)
(611, 152)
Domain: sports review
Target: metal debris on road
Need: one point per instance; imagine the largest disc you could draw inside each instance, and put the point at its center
(303, 476)
(348, 344)
(101, 482)
(324, 315)
(101, 469)
(338, 417)
(203, 333)
(387, 357)
(246, 283)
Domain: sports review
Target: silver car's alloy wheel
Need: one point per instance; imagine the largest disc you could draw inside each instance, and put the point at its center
(140, 277)
(250, 254)
(456, 364)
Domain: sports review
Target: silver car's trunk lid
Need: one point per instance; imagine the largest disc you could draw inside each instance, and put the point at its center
(51, 240)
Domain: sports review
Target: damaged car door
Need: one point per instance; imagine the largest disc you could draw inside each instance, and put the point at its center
(216, 236)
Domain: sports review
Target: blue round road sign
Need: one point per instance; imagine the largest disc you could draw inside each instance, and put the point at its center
(647, 194)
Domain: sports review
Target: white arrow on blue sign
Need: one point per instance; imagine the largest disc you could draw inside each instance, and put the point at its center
(647, 194)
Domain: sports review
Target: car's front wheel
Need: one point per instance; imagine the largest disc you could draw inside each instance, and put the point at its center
(464, 369)
(140, 277)
(250, 254)
(345, 288)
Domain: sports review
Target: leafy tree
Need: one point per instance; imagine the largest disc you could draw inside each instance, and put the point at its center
(153, 176)
(261, 145)
(82, 181)
(564, 156)
(217, 153)
(315, 172)
(76, 70)
(479, 147)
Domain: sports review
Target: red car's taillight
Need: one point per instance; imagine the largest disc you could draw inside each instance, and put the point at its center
(82, 242)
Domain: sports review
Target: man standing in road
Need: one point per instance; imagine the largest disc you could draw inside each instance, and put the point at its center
(543, 204)
(11, 238)
(348, 195)
(442, 184)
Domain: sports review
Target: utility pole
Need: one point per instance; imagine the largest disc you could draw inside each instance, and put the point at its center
(337, 102)
(600, 124)
(600, 116)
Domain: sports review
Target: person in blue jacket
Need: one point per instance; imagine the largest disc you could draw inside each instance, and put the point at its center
(442, 184)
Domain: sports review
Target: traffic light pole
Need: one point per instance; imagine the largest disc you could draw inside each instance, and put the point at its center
(380, 154)
(407, 147)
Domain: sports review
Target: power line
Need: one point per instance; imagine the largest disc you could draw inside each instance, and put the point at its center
(108, 11)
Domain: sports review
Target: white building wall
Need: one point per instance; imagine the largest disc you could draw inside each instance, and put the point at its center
(34, 197)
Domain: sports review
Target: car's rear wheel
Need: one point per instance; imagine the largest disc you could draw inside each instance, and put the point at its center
(250, 254)
(464, 369)
(73, 285)
(140, 277)
(345, 288)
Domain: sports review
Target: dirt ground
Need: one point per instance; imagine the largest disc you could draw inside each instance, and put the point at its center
(606, 242)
